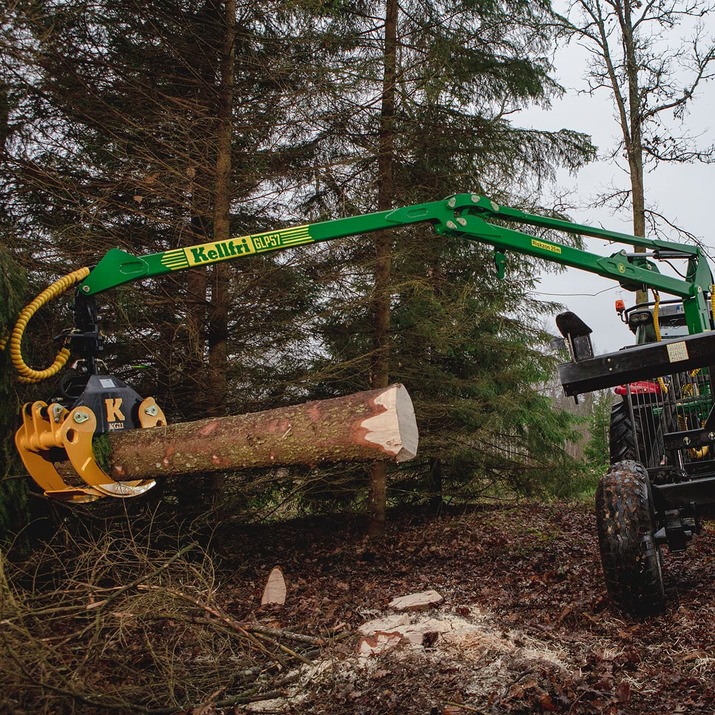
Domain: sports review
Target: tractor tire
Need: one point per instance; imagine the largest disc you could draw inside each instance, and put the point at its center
(624, 435)
(626, 527)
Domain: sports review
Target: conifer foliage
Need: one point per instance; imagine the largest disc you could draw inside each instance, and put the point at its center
(113, 119)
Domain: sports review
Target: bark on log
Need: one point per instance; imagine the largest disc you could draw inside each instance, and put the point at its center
(379, 424)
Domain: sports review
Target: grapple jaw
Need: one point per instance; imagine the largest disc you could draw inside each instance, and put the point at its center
(52, 433)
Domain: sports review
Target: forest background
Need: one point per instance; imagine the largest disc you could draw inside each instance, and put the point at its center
(152, 126)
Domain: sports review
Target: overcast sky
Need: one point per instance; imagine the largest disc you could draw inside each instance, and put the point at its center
(684, 194)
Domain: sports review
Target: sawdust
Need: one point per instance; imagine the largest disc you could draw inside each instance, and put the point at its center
(475, 644)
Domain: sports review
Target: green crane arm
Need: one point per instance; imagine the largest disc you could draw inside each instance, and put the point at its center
(464, 215)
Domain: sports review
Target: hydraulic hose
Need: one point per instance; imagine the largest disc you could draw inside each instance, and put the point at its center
(25, 372)
(656, 321)
(658, 338)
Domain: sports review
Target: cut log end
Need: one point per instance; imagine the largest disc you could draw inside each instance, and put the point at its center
(393, 431)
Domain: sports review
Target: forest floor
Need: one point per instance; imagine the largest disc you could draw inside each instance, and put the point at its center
(523, 627)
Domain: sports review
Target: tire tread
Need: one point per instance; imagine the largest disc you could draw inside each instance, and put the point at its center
(629, 555)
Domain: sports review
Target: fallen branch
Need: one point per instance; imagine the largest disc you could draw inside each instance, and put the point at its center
(289, 635)
(136, 582)
(252, 633)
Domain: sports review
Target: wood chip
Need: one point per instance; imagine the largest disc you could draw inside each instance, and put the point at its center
(416, 601)
(275, 590)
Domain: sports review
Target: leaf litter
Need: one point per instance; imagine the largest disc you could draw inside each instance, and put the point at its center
(505, 613)
(524, 625)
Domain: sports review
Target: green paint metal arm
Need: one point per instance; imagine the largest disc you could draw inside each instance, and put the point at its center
(464, 215)
(118, 266)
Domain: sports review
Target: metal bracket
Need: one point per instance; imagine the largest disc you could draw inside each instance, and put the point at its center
(500, 263)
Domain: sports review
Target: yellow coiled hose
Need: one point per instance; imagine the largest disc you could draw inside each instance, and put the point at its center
(25, 372)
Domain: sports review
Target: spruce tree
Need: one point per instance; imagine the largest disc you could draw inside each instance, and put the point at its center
(469, 348)
(134, 142)
(331, 115)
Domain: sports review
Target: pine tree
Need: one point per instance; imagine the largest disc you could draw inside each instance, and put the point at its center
(597, 448)
(130, 122)
(126, 120)
(468, 347)
(146, 126)
(13, 287)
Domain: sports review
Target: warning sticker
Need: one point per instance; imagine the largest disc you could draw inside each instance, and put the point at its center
(677, 352)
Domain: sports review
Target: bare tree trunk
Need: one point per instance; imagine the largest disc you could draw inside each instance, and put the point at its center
(379, 424)
(219, 306)
(187, 390)
(634, 55)
(4, 116)
(220, 275)
(435, 480)
(633, 134)
(383, 256)
(192, 396)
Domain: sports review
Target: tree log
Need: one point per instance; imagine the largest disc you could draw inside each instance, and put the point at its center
(379, 424)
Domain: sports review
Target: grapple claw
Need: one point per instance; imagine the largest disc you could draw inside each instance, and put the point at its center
(47, 428)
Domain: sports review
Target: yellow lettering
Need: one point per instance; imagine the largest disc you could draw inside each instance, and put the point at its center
(545, 246)
(114, 411)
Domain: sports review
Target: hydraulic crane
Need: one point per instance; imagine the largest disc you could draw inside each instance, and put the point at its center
(671, 468)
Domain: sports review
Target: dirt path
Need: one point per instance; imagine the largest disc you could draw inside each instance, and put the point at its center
(523, 627)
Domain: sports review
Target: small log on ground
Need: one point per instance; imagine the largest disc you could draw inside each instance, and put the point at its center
(367, 426)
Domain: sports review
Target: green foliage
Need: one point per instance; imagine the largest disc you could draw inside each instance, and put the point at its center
(468, 347)
(113, 109)
(120, 106)
(13, 492)
(471, 349)
(597, 448)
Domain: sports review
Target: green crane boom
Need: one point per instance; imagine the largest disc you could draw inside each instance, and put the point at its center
(466, 216)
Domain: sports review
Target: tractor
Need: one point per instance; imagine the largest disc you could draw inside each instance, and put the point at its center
(661, 439)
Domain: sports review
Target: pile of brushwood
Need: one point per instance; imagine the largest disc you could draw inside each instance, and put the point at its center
(124, 616)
